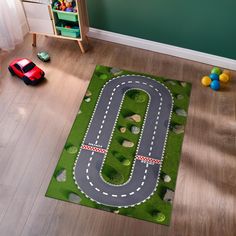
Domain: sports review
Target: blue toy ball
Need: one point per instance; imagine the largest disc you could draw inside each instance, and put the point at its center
(214, 76)
(215, 85)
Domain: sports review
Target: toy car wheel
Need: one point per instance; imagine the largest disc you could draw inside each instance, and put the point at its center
(11, 71)
(26, 80)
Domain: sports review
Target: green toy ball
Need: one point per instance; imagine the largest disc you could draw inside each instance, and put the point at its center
(216, 70)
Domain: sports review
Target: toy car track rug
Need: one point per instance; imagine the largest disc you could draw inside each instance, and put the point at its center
(123, 150)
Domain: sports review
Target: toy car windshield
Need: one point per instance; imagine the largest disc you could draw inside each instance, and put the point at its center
(29, 67)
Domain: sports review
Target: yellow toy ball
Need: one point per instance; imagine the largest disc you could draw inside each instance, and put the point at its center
(224, 78)
(227, 72)
(206, 81)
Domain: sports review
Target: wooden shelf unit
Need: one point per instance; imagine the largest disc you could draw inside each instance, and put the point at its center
(43, 19)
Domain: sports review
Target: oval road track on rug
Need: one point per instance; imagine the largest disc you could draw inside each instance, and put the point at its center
(150, 151)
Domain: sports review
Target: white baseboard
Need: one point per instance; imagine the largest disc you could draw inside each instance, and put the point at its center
(163, 48)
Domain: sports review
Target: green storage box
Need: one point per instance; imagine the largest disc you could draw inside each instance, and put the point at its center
(69, 32)
(69, 16)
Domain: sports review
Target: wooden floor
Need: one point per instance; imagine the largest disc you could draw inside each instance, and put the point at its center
(35, 122)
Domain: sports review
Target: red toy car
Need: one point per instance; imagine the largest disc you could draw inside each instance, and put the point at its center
(26, 70)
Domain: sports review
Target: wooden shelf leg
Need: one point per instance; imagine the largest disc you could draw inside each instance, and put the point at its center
(87, 40)
(81, 47)
(34, 40)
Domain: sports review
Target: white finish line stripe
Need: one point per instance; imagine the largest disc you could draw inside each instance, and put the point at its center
(148, 159)
(94, 149)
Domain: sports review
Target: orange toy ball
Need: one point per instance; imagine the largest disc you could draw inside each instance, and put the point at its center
(206, 81)
(224, 78)
(227, 72)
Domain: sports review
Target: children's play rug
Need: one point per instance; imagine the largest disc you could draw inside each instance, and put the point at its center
(123, 151)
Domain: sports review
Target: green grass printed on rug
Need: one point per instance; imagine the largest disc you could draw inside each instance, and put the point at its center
(146, 211)
(119, 160)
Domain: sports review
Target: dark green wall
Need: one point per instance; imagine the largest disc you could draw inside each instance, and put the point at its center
(203, 25)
